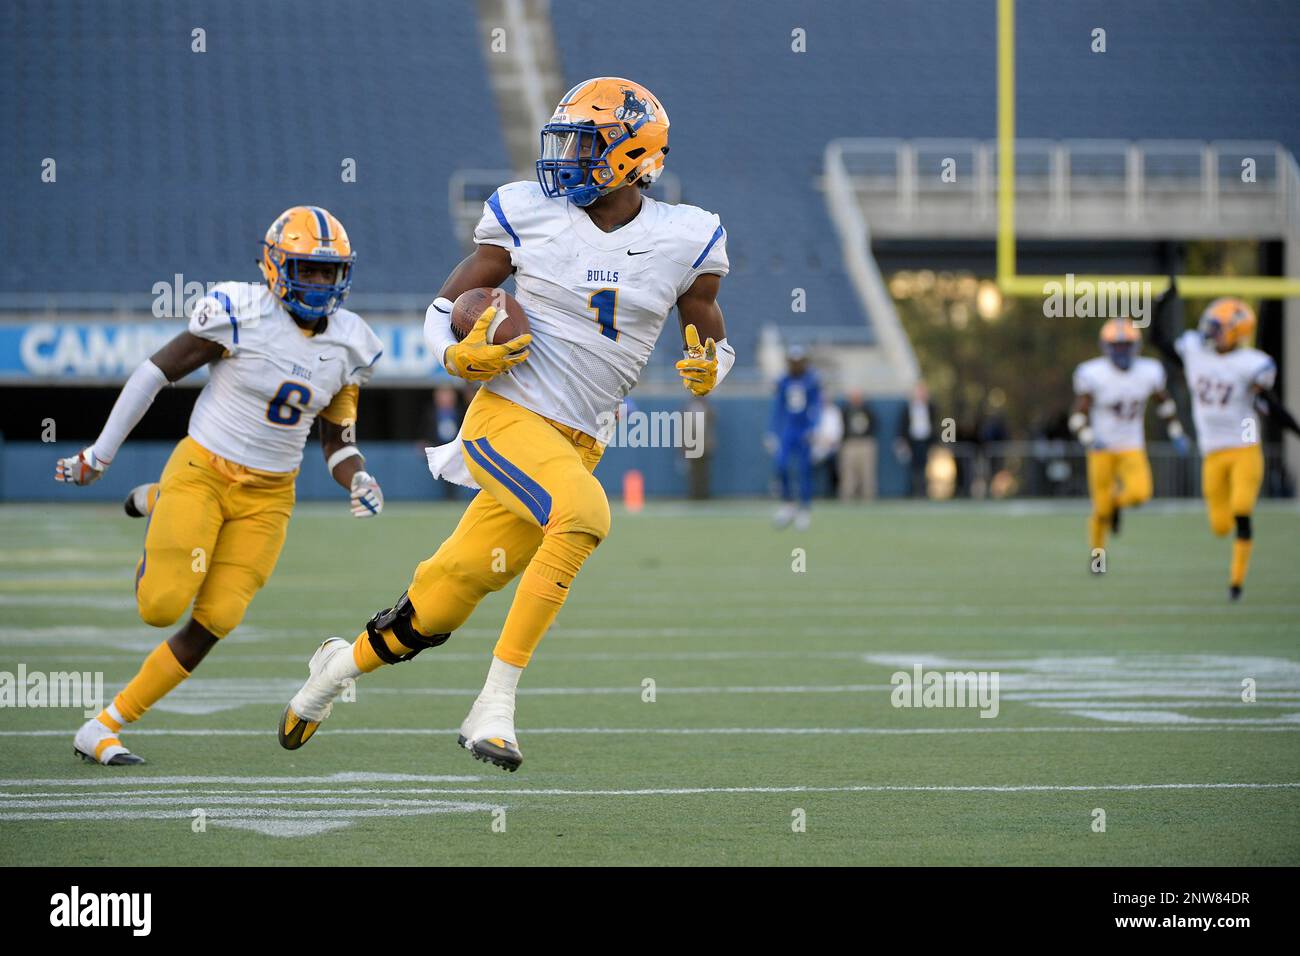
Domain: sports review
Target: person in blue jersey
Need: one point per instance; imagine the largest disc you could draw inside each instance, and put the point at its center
(796, 407)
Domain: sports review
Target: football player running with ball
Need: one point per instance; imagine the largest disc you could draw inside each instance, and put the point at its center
(282, 354)
(1108, 420)
(598, 267)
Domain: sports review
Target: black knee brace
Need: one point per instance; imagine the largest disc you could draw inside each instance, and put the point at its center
(398, 617)
(1243, 527)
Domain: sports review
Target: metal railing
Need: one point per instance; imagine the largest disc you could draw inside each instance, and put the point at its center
(1152, 185)
(864, 273)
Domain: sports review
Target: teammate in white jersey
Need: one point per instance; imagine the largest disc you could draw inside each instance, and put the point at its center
(1109, 420)
(281, 354)
(1228, 382)
(598, 266)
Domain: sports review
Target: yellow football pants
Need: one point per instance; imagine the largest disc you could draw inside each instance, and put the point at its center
(1230, 482)
(541, 512)
(213, 538)
(1116, 479)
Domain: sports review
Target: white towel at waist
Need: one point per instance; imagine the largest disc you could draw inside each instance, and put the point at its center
(447, 462)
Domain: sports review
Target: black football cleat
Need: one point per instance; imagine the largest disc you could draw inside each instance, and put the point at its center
(99, 744)
(126, 759)
(494, 750)
(294, 731)
(1234, 592)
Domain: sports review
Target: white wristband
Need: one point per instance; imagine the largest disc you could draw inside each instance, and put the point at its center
(343, 454)
(132, 402)
(1167, 408)
(726, 359)
(437, 329)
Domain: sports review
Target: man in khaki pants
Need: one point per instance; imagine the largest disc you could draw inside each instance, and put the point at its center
(858, 453)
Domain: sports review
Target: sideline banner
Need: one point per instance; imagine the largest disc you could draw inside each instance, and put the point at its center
(106, 352)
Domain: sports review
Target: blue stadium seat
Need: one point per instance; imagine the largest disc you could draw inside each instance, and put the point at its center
(174, 161)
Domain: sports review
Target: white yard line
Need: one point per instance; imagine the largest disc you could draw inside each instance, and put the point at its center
(187, 780)
(1226, 724)
(419, 808)
(23, 803)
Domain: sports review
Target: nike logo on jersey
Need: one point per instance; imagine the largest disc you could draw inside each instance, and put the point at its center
(641, 253)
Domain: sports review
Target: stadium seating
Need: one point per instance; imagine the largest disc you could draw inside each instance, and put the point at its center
(1190, 69)
(286, 92)
(282, 96)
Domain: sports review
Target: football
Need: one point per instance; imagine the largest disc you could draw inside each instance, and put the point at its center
(510, 321)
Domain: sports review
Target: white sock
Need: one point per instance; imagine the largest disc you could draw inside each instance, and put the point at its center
(502, 678)
(342, 666)
(116, 714)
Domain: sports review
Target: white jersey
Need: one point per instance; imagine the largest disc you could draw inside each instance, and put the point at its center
(1222, 389)
(265, 392)
(1119, 399)
(596, 301)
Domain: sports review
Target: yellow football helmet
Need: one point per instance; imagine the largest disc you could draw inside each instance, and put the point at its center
(307, 234)
(1120, 341)
(1227, 322)
(606, 133)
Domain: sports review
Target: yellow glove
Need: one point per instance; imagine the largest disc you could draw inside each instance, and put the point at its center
(474, 359)
(699, 370)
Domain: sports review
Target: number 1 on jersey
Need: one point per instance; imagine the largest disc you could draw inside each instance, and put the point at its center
(605, 304)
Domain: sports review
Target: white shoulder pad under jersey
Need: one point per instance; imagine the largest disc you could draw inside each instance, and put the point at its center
(695, 239)
(364, 348)
(265, 392)
(518, 213)
(228, 308)
(1222, 386)
(1152, 372)
(1085, 377)
(596, 300)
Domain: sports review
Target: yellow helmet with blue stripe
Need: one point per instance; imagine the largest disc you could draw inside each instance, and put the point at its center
(1228, 322)
(1120, 341)
(307, 234)
(606, 133)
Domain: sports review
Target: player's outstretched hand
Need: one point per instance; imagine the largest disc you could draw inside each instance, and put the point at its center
(367, 498)
(699, 370)
(83, 468)
(476, 360)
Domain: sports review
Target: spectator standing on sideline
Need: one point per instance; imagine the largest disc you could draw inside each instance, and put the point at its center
(916, 437)
(858, 454)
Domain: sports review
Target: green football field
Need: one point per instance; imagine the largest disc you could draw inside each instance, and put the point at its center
(709, 695)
